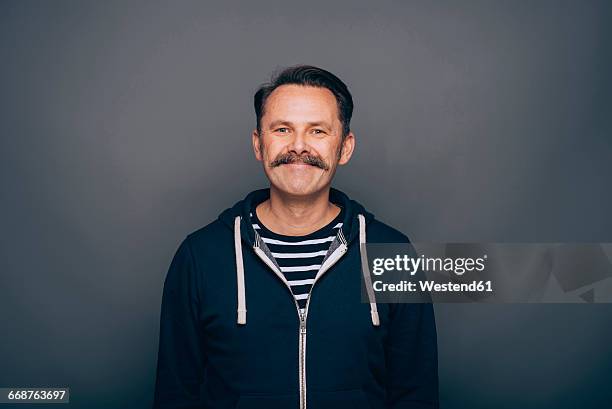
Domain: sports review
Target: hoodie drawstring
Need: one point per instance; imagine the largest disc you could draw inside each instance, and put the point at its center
(365, 270)
(239, 272)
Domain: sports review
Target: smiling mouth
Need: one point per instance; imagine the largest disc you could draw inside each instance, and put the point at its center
(299, 164)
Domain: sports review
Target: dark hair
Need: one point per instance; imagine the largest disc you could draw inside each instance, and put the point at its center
(309, 76)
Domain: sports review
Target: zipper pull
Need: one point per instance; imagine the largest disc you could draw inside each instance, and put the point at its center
(302, 323)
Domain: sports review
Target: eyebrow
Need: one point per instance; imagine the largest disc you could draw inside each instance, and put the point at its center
(288, 123)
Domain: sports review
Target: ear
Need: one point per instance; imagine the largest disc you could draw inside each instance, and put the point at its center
(348, 145)
(255, 141)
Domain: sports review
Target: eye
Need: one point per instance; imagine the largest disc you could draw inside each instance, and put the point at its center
(282, 130)
(318, 131)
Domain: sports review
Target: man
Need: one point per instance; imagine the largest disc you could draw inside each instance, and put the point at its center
(294, 253)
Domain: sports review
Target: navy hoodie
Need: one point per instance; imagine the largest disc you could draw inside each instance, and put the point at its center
(231, 335)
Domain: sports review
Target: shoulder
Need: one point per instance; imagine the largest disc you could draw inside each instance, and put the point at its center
(208, 234)
(209, 246)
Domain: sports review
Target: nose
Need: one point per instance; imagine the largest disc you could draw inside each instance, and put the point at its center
(299, 143)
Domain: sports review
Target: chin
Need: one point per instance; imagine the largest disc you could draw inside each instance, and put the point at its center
(297, 189)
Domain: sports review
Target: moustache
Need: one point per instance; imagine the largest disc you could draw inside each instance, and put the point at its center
(308, 159)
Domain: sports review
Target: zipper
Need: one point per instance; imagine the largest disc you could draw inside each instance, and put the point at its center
(302, 358)
(327, 264)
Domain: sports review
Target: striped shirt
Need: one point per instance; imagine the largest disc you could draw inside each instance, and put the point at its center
(299, 257)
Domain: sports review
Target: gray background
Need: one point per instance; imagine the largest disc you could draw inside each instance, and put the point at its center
(125, 126)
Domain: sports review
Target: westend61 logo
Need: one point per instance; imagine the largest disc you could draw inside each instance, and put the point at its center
(454, 272)
(458, 266)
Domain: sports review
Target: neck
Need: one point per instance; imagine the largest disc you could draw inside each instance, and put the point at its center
(296, 215)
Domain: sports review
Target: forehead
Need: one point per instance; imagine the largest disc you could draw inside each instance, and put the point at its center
(299, 103)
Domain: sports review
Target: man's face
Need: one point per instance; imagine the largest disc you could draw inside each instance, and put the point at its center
(301, 139)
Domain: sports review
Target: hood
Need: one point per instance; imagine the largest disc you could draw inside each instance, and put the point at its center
(354, 225)
(350, 223)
